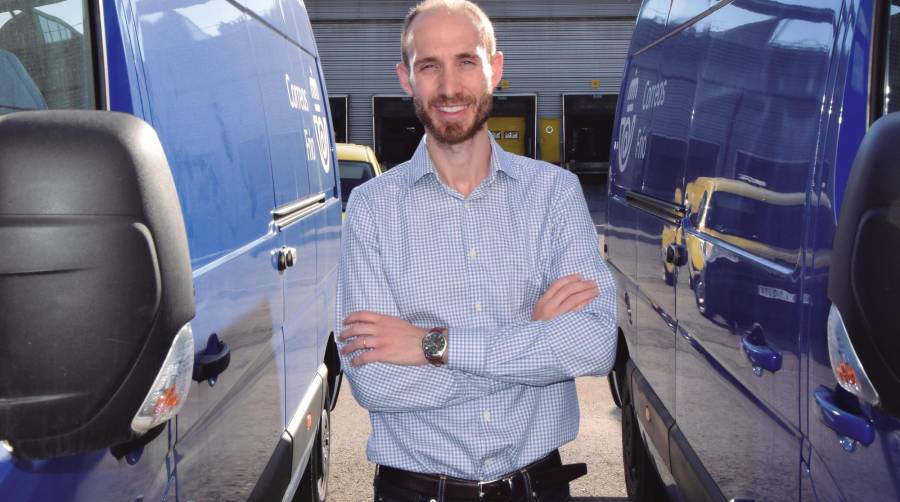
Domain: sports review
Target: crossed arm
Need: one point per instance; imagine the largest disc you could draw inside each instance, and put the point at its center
(571, 331)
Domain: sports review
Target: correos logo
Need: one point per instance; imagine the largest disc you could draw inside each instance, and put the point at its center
(627, 123)
(631, 136)
(318, 142)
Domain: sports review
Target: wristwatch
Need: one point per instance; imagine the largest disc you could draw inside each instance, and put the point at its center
(434, 344)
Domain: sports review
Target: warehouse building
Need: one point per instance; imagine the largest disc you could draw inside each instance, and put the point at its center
(557, 99)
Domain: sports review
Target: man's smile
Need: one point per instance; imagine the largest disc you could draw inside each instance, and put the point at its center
(452, 109)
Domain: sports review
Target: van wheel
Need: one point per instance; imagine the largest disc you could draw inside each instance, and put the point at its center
(314, 485)
(323, 457)
(642, 482)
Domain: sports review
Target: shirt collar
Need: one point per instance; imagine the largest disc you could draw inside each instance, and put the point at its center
(421, 164)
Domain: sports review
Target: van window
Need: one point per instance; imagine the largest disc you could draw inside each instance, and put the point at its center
(746, 217)
(45, 55)
(892, 72)
(353, 174)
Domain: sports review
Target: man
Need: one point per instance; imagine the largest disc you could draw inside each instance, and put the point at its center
(468, 290)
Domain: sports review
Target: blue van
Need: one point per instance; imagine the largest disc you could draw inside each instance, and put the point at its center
(753, 230)
(170, 225)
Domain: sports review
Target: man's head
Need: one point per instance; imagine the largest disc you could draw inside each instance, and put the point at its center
(450, 67)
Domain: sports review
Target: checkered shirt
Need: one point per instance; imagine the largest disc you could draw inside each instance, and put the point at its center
(416, 249)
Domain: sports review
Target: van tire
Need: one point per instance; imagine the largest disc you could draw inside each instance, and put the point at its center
(314, 485)
(642, 482)
(322, 450)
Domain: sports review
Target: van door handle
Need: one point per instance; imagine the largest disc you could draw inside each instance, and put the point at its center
(761, 356)
(212, 361)
(287, 256)
(675, 255)
(843, 422)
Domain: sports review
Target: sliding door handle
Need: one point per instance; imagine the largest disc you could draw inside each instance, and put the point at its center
(761, 356)
(841, 421)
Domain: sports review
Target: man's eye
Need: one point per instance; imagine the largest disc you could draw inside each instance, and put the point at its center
(427, 67)
(468, 62)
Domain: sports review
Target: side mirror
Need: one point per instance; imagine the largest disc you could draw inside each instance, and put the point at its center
(864, 277)
(96, 291)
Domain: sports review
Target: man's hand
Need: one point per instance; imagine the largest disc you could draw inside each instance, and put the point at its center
(382, 338)
(569, 293)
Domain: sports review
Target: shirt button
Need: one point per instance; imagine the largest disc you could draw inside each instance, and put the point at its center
(466, 204)
(472, 253)
(487, 416)
(477, 307)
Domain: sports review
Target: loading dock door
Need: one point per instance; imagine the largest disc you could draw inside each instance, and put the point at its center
(338, 105)
(549, 140)
(509, 133)
(397, 131)
(513, 123)
(587, 131)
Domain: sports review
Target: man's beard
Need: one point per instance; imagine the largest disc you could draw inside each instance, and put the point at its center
(454, 133)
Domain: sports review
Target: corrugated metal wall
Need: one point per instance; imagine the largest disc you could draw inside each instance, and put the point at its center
(341, 10)
(550, 49)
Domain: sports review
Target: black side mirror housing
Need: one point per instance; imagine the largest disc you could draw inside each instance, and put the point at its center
(864, 277)
(95, 277)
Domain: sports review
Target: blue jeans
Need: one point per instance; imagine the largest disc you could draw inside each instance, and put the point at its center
(386, 492)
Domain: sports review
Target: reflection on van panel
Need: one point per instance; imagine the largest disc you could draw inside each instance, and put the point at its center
(740, 128)
(741, 214)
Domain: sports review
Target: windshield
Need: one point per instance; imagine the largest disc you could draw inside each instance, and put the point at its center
(353, 174)
(45, 55)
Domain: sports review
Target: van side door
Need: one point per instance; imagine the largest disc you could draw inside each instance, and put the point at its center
(758, 73)
(208, 110)
(285, 72)
(841, 467)
(644, 198)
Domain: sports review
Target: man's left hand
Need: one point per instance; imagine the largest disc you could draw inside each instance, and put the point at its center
(382, 338)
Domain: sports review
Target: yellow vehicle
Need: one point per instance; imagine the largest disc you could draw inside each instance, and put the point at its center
(357, 164)
(712, 204)
(737, 212)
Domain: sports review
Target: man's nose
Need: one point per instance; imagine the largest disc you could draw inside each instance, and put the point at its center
(449, 83)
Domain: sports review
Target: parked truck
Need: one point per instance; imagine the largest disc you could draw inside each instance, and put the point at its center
(169, 230)
(753, 231)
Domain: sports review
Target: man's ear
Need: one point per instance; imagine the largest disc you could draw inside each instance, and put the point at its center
(403, 76)
(496, 69)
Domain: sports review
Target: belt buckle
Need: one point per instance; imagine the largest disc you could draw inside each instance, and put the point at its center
(482, 484)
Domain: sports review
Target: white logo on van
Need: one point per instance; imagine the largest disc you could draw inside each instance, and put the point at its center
(321, 123)
(323, 141)
(297, 95)
(632, 92)
(626, 125)
(626, 135)
(317, 141)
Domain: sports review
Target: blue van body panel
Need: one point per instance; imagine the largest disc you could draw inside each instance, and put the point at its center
(91, 476)
(738, 124)
(221, 82)
(870, 472)
(120, 74)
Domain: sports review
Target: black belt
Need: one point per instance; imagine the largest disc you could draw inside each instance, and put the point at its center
(544, 473)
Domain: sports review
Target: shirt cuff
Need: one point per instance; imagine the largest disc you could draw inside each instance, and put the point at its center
(467, 350)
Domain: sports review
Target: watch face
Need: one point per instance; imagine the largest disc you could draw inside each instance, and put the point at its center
(433, 343)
